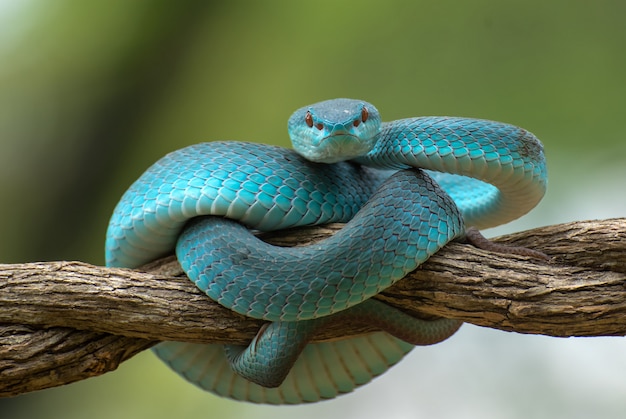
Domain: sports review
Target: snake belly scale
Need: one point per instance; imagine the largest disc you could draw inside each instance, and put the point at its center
(405, 188)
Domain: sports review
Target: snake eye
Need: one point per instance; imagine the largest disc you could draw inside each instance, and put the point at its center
(308, 118)
(364, 115)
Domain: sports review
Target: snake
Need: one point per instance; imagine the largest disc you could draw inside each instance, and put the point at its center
(403, 188)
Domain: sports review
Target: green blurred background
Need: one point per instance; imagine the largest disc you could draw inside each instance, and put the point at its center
(91, 93)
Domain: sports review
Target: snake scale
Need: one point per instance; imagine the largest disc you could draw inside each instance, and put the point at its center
(405, 188)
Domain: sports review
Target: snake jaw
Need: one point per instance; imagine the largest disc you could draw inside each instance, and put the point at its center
(339, 146)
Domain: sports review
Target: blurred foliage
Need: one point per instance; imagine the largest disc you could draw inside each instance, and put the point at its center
(91, 93)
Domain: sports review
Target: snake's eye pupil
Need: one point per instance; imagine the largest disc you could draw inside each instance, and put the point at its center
(364, 115)
(308, 118)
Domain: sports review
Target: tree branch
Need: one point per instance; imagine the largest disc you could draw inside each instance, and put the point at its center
(65, 321)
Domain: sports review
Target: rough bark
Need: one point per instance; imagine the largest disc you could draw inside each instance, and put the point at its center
(65, 321)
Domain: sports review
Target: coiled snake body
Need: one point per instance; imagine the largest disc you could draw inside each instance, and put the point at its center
(440, 174)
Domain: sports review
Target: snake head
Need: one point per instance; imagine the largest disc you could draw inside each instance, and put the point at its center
(335, 130)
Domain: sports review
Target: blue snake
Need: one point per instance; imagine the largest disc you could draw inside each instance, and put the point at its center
(405, 188)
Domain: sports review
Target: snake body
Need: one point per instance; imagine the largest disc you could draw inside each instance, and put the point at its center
(405, 189)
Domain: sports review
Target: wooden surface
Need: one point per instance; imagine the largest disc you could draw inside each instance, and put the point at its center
(65, 321)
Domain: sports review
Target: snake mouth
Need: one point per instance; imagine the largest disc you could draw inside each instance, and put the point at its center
(338, 134)
(340, 146)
